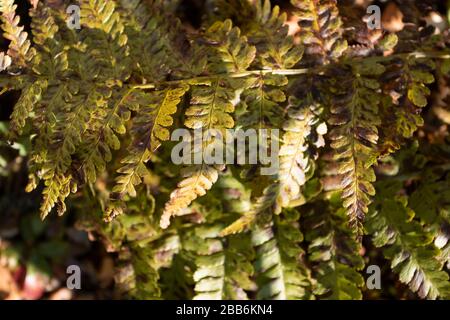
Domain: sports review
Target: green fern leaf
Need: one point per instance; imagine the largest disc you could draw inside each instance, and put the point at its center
(150, 128)
(281, 273)
(223, 268)
(334, 253)
(300, 131)
(210, 108)
(275, 48)
(407, 245)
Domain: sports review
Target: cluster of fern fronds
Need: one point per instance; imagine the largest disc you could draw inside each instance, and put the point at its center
(357, 176)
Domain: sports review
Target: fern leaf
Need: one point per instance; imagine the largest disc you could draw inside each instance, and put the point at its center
(105, 39)
(228, 51)
(20, 47)
(66, 137)
(157, 38)
(44, 28)
(102, 136)
(56, 190)
(31, 94)
(334, 253)
(150, 128)
(320, 30)
(302, 131)
(281, 273)
(260, 103)
(264, 205)
(406, 81)
(136, 275)
(284, 190)
(5, 61)
(50, 61)
(223, 267)
(407, 245)
(210, 108)
(354, 140)
(101, 15)
(198, 180)
(74, 124)
(269, 34)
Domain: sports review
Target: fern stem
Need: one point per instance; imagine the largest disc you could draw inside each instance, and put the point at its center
(286, 72)
(291, 72)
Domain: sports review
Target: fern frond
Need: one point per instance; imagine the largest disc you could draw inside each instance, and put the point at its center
(264, 205)
(105, 40)
(302, 132)
(88, 118)
(407, 245)
(198, 180)
(49, 101)
(103, 16)
(354, 139)
(334, 253)
(157, 35)
(19, 49)
(280, 270)
(260, 103)
(57, 189)
(51, 63)
(150, 129)
(269, 34)
(31, 95)
(320, 30)
(406, 81)
(228, 51)
(211, 106)
(102, 136)
(44, 29)
(67, 136)
(51, 59)
(223, 266)
(136, 275)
